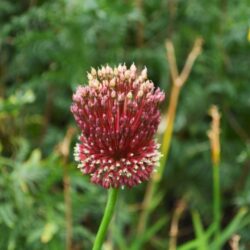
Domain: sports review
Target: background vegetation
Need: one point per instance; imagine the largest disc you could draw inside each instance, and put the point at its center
(46, 47)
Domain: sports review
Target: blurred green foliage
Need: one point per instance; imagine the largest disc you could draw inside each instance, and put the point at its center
(45, 49)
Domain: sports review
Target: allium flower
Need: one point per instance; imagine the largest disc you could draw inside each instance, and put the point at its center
(118, 116)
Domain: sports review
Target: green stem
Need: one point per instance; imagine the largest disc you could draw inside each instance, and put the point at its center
(217, 199)
(112, 197)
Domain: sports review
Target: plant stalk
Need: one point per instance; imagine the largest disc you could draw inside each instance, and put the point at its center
(153, 184)
(108, 213)
(214, 137)
(178, 82)
(217, 199)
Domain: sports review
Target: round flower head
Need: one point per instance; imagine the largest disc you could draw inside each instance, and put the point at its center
(118, 116)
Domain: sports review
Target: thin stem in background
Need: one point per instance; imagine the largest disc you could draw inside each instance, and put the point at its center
(108, 213)
(174, 227)
(214, 138)
(63, 149)
(216, 199)
(178, 82)
(145, 208)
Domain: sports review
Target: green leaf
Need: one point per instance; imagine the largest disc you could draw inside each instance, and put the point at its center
(7, 215)
(152, 230)
(199, 231)
(232, 228)
(194, 244)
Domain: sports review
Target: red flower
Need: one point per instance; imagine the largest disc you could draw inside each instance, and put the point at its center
(118, 116)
